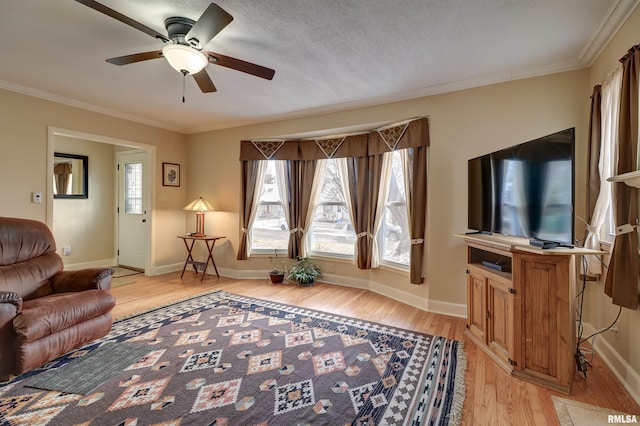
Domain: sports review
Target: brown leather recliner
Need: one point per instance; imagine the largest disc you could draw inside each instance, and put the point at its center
(45, 312)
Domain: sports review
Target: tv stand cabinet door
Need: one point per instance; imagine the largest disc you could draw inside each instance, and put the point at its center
(500, 324)
(547, 332)
(476, 305)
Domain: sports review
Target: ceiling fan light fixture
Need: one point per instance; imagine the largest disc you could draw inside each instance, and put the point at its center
(184, 59)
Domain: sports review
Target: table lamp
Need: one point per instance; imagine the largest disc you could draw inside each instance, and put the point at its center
(199, 205)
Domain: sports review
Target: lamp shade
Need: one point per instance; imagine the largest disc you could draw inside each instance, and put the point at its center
(184, 59)
(199, 205)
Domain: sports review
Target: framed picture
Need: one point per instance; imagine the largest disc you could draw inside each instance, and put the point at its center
(170, 174)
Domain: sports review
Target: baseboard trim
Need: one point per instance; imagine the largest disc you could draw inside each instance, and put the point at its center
(164, 269)
(95, 264)
(447, 308)
(629, 378)
(422, 303)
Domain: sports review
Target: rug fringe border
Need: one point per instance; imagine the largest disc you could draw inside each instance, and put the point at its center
(460, 387)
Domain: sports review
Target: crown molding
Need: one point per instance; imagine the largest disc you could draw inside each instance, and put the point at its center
(618, 14)
(86, 106)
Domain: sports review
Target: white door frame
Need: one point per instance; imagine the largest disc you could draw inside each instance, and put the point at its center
(146, 200)
(149, 188)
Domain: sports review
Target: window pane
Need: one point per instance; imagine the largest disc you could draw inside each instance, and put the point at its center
(332, 231)
(394, 233)
(270, 230)
(133, 188)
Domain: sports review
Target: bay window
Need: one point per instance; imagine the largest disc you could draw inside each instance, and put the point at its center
(360, 197)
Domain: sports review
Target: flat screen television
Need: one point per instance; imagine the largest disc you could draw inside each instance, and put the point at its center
(527, 190)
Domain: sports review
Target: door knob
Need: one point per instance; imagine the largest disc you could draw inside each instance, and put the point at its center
(144, 220)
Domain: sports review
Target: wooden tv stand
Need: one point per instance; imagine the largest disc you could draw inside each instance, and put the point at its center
(522, 316)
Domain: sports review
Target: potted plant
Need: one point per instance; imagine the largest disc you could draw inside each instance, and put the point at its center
(304, 272)
(277, 275)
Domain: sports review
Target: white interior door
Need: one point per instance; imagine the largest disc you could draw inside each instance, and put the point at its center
(132, 210)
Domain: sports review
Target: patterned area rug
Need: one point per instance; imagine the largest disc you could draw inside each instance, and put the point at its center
(91, 369)
(225, 359)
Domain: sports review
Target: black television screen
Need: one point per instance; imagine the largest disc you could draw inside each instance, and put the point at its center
(526, 190)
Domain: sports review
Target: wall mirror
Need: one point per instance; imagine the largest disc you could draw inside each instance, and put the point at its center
(70, 176)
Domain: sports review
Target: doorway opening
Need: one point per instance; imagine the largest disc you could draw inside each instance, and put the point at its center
(88, 232)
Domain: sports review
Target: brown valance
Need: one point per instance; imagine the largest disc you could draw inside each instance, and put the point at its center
(340, 147)
(268, 150)
(412, 134)
(409, 134)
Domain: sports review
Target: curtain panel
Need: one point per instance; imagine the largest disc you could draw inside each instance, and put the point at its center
(252, 177)
(604, 125)
(624, 267)
(593, 153)
(416, 177)
(364, 161)
(300, 184)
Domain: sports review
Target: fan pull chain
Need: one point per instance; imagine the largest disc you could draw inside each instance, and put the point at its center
(184, 77)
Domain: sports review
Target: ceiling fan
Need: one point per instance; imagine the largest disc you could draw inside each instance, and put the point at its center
(185, 40)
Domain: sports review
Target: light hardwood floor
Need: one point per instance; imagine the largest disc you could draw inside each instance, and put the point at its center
(492, 396)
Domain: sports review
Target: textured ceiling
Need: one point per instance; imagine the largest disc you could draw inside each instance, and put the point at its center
(328, 54)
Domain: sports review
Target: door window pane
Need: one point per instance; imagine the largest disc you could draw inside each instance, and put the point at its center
(133, 188)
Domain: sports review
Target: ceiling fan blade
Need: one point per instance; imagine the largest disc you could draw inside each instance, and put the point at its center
(240, 65)
(211, 22)
(136, 57)
(204, 82)
(122, 18)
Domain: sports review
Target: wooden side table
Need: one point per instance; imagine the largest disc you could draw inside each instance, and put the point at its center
(189, 242)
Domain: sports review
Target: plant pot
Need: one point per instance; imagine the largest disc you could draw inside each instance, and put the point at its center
(306, 284)
(276, 278)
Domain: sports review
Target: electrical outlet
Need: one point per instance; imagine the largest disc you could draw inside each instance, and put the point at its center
(581, 362)
(36, 197)
(66, 250)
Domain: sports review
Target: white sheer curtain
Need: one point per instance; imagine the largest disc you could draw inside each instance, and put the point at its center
(611, 88)
(281, 175)
(316, 188)
(385, 178)
(262, 167)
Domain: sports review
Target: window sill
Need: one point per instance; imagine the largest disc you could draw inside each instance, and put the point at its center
(395, 268)
(331, 257)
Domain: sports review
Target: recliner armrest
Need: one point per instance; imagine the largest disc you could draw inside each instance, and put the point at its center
(10, 307)
(13, 298)
(81, 280)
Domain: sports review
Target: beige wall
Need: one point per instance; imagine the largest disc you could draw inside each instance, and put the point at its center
(73, 217)
(599, 310)
(24, 125)
(464, 124)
